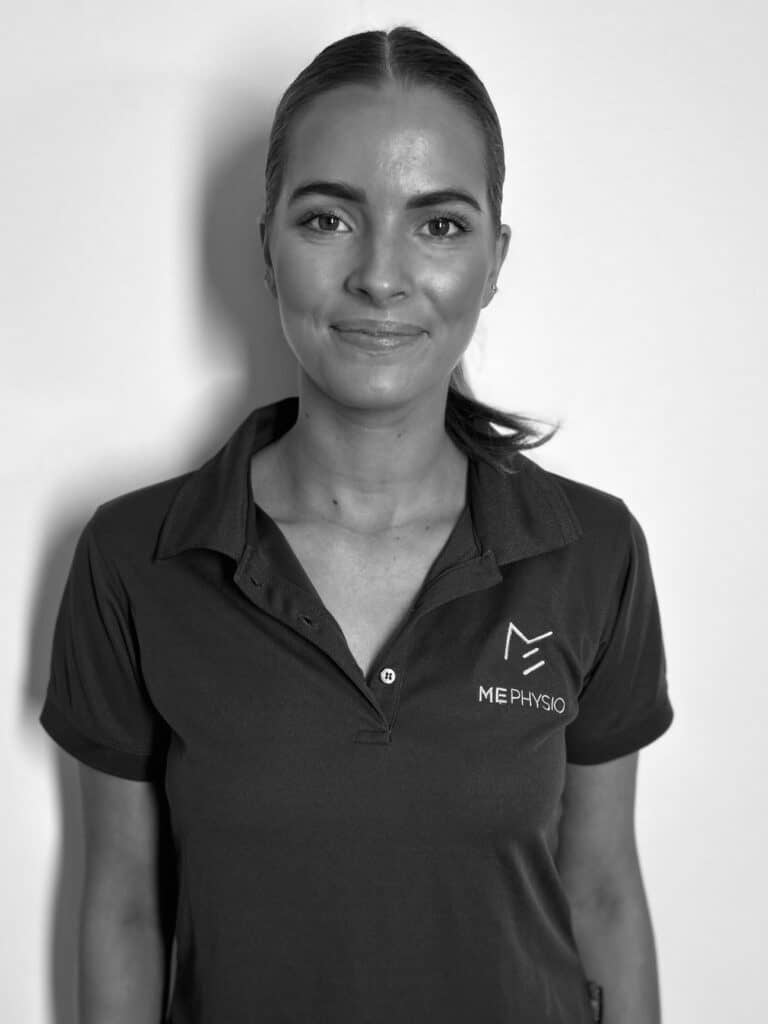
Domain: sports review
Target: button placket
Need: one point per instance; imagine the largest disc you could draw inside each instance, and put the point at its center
(279, 597)
(386, 684)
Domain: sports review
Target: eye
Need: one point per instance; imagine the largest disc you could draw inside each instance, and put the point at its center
(329, 222)
(326, 217)
(444, 221)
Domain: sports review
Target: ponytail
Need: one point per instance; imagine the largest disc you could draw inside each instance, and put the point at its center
(471, 424)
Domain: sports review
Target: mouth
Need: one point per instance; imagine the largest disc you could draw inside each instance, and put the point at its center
(379, 328)
(378, 337)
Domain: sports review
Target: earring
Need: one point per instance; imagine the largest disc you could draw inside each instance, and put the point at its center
(494, 289)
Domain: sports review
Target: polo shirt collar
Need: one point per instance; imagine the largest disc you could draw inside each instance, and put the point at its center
(515, 515)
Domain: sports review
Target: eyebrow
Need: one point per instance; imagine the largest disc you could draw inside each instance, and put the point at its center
(340, 190)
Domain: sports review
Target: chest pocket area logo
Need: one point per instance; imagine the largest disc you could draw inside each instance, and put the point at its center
(524, 655)
(523, 641)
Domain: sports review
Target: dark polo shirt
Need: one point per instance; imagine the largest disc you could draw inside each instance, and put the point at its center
(360, 849)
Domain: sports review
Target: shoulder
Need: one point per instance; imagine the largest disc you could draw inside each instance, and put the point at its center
(606, 525)
(594, 508)
(125, 528)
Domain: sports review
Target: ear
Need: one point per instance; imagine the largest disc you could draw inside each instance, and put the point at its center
(501, 247)
(264, 241)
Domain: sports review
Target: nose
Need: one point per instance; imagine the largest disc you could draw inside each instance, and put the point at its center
(380, 269)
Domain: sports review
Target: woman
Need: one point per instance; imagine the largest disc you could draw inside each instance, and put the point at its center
(358, 703)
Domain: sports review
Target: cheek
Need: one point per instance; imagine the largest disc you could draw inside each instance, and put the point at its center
(305, 278)
(455, 288)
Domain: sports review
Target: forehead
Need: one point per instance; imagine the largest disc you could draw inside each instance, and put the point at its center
(383, 137)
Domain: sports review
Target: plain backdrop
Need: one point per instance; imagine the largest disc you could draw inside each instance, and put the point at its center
(136, 334)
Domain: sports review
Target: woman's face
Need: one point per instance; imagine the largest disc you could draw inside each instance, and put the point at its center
(356, 235)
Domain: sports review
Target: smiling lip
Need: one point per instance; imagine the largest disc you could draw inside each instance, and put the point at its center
(384, 329)
(376, 344)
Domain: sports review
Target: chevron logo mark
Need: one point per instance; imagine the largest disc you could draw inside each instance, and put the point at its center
(512, 628)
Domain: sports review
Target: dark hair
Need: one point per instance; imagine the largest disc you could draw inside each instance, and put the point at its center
(410, 57)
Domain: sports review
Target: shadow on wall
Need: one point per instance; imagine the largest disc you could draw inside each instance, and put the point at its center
(231, 294)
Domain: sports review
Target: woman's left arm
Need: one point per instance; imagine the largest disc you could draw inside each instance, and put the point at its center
(598, 862)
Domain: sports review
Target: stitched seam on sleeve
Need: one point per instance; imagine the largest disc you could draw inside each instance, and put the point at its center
(645, 729)
(604, 642)
(76, 728)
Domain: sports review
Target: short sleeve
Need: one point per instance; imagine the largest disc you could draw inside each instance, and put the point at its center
(97, 706)
(624, 703)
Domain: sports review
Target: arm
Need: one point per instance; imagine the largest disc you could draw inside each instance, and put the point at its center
(598, 862)
(127, 906)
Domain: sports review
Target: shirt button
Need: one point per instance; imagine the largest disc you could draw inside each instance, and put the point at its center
(387, 675)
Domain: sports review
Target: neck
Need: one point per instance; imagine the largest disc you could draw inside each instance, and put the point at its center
(372, 469)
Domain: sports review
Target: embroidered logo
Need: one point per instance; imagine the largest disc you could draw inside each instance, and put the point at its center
(511, 695)
(512, 628)
(514, 695)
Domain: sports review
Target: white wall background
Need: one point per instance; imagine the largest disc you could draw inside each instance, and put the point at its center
(136, 333)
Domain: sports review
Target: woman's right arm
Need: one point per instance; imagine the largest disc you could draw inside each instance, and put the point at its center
(128, 903)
